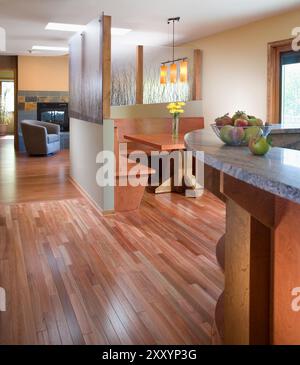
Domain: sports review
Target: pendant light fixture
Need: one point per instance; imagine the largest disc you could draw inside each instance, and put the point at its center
(183, 71)
(173, 63)
(163, 74)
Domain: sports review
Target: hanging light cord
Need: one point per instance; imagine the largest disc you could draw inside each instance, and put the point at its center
(173, 40)
(173, 20)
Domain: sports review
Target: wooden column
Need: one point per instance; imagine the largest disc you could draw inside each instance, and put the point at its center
(247, 279)
(106, 66)
(197, 82)
(261, 302)
(248, 255)
(286, 295)
(139, 75)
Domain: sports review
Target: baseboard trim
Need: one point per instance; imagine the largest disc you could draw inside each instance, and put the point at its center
(89, 199)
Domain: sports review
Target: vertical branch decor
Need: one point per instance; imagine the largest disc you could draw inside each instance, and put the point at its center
(75, 73)
(126, 79)
(91, 87)
(87, 84)
(123, 85)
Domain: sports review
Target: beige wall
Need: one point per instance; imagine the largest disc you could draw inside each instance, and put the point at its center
(43, 73)
(235, 66)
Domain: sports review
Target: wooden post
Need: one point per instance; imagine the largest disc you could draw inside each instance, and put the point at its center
(286, 271)
(197, 84)
(248, 255)
(106, 66)
(139, 75)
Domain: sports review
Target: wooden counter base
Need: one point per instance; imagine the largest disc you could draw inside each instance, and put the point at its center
(262, 267)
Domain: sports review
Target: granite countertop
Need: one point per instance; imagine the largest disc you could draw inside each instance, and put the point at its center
(278, 172)
(285, 129)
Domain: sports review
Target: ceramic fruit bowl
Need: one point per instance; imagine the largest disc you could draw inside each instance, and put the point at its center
(239, 135)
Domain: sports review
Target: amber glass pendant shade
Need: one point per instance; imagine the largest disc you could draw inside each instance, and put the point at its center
(173, 73)
(163, 74)
(184, 71)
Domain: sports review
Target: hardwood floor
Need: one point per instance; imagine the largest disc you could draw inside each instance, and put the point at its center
(33, 179)
(74, 277)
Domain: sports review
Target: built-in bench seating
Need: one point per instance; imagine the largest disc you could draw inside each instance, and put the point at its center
(128, 197)
(152, 126)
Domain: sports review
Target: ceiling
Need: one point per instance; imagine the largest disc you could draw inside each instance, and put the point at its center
(25, 20)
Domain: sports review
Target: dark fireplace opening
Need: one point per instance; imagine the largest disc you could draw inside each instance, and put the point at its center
(56, 113)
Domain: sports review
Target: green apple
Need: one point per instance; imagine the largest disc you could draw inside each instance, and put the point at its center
(225, 134)
(259, 145)
(252, 132)
(255, 122)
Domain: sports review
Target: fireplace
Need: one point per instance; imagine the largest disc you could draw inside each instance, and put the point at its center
(56, 113)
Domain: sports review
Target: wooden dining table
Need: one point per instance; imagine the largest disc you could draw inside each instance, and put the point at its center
(165, 142)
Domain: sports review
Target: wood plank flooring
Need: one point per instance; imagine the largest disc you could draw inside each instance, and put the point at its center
(33, 179)
(74, 277)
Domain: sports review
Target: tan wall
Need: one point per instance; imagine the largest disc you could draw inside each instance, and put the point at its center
(43, 73)
(192, 109)
(235, 66)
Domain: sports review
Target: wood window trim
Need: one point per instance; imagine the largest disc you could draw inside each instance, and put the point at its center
(273, 99)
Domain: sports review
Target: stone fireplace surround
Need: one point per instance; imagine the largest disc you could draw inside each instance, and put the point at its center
(27, 109)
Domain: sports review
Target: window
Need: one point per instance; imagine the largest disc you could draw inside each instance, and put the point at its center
(278, 75)
(290, 88)
(8, 93)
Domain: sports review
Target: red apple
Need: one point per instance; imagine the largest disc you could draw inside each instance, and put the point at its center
(241, 122)
(225, 120)
(237, 135)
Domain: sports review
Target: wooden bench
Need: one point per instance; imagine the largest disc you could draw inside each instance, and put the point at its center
(127, 197)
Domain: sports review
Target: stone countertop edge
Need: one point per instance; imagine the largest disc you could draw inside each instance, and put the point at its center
(288, 129)
(270, 185)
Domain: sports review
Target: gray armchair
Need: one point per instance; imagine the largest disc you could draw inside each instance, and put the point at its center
(40, 138)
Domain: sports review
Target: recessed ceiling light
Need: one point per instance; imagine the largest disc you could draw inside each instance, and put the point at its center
(65, 27)
(49, 48)
(120, 31)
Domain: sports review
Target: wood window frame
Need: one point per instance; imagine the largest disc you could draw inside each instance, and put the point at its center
(274, 85)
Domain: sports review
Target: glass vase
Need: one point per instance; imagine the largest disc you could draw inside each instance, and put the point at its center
(175, 126)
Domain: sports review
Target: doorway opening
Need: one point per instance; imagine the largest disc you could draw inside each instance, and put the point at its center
(7, 104)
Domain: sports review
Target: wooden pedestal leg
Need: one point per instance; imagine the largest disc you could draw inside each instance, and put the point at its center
(247, 278)
(188, 183)
(286, 295)
(165, 182)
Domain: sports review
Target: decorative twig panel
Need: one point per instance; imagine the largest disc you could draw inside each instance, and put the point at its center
(86, 78)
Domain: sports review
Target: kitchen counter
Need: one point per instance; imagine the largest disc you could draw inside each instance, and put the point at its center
(287, 136)
(278, 172)
(260, 250)
(285, 129)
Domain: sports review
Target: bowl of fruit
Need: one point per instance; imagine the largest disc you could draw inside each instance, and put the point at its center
(240, 129)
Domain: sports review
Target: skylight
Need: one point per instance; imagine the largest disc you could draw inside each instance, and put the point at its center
(65, 27)
(50, 48)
